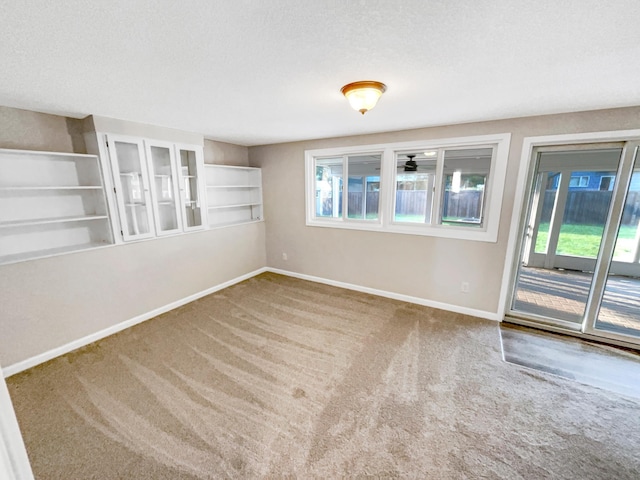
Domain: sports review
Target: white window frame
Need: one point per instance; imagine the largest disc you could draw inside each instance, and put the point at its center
(345, 189)
(612, 179)
(494, 190)
(580, 182)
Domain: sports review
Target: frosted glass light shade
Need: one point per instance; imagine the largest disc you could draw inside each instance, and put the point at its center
(364, 95)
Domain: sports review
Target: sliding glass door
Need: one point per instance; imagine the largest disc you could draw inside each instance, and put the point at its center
(579, 264)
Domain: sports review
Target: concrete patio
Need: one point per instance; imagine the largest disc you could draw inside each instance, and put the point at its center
(562, 294)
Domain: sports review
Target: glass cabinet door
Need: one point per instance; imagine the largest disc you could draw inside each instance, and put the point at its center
(164, 187)
(131, 187)
(190, 173)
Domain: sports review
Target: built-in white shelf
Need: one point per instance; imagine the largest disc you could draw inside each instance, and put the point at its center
(50, 203)
(233, 186)
(234, 195)
(236, 205)
(51, 252)
(75, 187)
(44, 221)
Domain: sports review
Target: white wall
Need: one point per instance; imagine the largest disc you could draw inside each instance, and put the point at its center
(429, 268)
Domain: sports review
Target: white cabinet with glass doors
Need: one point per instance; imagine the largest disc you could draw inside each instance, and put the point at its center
(190, 162)
(158, 186)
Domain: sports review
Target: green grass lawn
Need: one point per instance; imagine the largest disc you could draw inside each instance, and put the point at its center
(397, 218)
(584, 240)
(400, 217)
(370, 216)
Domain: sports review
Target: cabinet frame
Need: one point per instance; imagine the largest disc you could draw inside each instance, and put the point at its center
(157, 196)
(119, 188)
(201, 201)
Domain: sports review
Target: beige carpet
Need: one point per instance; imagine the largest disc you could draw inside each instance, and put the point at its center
(277, 377)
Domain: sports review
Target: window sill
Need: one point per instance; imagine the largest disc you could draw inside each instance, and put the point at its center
(458, 233)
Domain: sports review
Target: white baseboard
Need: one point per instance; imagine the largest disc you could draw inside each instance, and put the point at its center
(396, 296)
(84, 341)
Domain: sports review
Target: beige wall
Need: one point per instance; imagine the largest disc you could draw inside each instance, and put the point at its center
(50, 302)
(221, 153)
(26, 130)
(429, 268)
(47, 303)
(94, 123)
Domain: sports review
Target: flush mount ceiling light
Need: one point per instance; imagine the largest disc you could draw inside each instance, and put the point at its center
(363, 95)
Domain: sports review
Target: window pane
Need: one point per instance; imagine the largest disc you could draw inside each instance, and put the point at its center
(628, 242)
(415, 178)
(329, 187)
(465, 175)
(550, 180)
(579, 181)
(583, 220)
(363, 188)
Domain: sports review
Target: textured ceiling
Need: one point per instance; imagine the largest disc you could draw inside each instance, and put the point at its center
(253, 72)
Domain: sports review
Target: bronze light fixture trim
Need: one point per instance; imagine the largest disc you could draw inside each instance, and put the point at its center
(363, 95)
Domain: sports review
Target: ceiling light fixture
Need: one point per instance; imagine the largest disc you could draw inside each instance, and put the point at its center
(363, 95)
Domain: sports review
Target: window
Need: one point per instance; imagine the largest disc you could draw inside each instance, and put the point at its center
(606, 182)
(580, 181)
(363, 191)
(466, 173)
(362, 187)
(329, 187)
(414, 188)
(447, 188)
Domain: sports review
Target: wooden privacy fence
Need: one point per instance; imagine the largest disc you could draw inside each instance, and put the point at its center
(466, 204)
(411, 202)
(591, 207)
(355, 203)
(583, 207)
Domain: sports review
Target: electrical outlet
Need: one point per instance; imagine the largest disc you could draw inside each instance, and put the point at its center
(464, 287)
(285, 256)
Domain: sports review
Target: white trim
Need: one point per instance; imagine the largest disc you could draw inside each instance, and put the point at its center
(81, 342)
(528, 144)
(14, 463)
(395, 296)
(230, 166)
(429, 144)
(57, 154)
(575, 333)
(493, 195)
